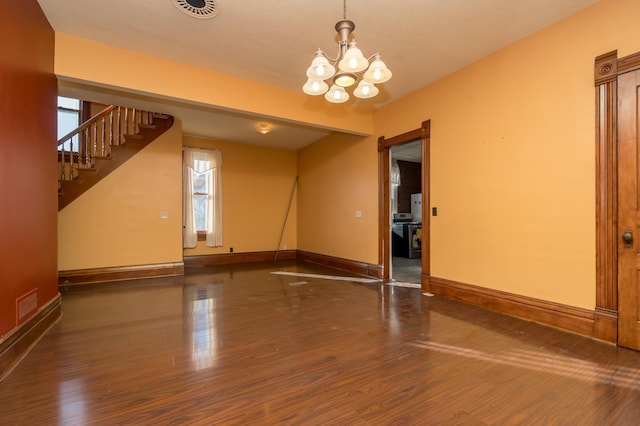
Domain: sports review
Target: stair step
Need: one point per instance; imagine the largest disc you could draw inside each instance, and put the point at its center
(118, 155)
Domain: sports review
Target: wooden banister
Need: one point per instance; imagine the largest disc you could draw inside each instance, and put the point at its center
(95, 137)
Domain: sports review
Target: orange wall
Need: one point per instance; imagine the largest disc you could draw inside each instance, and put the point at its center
(339, 176)
(512, 153)
(117, 222)
(94, 63)
(256, 188)
(512, 164)
(27, 159)
(123, 210)
(513, 158)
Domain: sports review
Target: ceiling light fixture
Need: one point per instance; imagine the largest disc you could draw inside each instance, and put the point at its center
(351, 64)
(264, 128)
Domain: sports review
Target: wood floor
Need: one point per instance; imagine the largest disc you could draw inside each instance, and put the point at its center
(241, 345)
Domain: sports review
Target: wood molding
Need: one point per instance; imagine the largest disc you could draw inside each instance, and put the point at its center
(569, 318)
(235, 258)
(423, 133)
(118, 273)
(425, 137)
(606, 325)
(353, 266)
(384, 206)
(606, 68)
(15, 346)
(628, 63)
(400, 139)
(605, 76)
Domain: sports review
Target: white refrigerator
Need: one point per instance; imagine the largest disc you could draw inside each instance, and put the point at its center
(416, 207)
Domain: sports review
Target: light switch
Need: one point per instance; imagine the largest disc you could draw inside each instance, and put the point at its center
(358, 213)
(164, 214)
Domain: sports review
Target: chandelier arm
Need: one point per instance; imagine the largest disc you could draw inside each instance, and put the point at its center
(334, 61)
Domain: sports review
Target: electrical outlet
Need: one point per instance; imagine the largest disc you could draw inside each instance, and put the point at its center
(164, 214)
(358, 213)
(230, 249)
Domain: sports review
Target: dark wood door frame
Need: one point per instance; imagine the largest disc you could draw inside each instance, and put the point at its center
(607, 69)
(384, 246)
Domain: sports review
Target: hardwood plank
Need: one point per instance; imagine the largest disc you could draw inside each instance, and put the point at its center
(118, 273)
(240, 345)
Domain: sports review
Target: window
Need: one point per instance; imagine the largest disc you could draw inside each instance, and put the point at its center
(202, 197)
(68, 120)
(201, 194)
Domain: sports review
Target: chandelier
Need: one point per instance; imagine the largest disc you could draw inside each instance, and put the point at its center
(351, 66)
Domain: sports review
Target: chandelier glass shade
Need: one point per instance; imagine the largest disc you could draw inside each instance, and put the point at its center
(330, 77)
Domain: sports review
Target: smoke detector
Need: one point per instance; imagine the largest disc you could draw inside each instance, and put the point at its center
(202, 9)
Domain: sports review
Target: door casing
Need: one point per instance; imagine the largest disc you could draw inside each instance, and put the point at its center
(606, 71)
(384, 209)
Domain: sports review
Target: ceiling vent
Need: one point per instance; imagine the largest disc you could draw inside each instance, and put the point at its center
(202, 9)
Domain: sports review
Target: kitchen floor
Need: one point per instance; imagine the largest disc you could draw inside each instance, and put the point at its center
(406, 270)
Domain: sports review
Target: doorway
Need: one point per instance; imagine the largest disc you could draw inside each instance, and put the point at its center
(406, 212)
(421, 137)
(617, 82)
(628, 210)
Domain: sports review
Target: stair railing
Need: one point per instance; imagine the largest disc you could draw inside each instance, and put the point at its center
(94, 138)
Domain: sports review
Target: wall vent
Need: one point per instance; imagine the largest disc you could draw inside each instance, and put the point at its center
(203, 9)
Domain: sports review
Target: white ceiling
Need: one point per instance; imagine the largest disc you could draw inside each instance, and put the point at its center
(273, 42)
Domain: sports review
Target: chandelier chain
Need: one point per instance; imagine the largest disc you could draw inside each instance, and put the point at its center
(344, 9)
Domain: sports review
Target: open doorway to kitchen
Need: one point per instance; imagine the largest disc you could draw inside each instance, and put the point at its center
(417, 229)
(406, 211)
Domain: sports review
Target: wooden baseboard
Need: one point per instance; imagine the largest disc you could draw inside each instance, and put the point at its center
(15, 346)
(118, 273)
(606, 325)
(353, 266)
(235, 258)
(576, 320)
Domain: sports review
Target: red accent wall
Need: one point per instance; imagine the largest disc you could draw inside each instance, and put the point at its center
(410, 183)
(28, 185)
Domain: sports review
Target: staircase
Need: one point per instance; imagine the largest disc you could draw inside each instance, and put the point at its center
(101, 144)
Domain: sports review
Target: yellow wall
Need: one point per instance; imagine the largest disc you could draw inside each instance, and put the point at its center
(89, 62)
(117, 222)
(338, 176)
(256, 187)
(513, 158)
